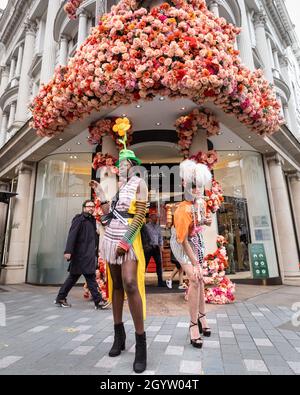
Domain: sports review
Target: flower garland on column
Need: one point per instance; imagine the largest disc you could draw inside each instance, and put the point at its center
(101, 161)
(188, 125)
(218, 288)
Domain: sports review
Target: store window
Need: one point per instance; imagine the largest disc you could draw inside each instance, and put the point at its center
(245, 216)
(62, 186)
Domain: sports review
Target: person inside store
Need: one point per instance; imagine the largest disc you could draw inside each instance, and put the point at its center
(121, 247)
(229, 237)
(188, 245)
(81, 252)
(153, 246)
(177, 270)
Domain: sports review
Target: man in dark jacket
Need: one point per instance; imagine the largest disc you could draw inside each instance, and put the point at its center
(81, 252)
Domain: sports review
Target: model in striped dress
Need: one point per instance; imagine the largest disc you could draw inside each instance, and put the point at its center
(121, 248)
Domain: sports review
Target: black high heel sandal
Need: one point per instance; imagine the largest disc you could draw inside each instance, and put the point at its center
(197, 343)
(203, 331)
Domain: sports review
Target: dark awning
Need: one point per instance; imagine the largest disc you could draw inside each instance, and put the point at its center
(5, 196)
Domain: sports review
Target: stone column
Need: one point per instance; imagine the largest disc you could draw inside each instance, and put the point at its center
(3, 215)
(25, 80)
(287, 115)
(12, 114)
(210, 234)
(262, 44)
(12, 69)
(82, 29)
(49, 54)
(294, 179)
(214, 8)
(63, 50)
(3, 130)
(14, 271)
(19, 61)
(4, 79)
(283, 218)
(292, 106)
(277, 64)
(244, 39)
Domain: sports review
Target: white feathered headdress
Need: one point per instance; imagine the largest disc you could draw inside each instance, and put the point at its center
(195, 173)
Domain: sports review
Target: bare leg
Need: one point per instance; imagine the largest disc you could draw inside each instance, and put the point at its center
(180, 274)
(118, 293)
(173, 274)
(202, 307)
(129, 275)
(193, 299)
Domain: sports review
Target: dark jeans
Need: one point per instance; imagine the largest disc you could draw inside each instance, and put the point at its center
(155, 253)
(72, 280)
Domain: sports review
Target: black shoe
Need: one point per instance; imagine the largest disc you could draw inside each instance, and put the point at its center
(205, 331)
(197, 343)
(103, 304)
(140, 362)
(119, 341)
(63, 303)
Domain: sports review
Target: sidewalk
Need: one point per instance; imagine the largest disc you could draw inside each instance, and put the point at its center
(253, 336)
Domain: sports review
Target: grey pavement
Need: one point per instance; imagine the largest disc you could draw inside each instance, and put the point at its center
(251, 337)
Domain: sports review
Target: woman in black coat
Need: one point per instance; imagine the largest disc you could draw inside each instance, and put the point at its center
(81, 251)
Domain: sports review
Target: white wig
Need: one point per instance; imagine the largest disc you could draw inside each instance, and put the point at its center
(202, 175)
(193, 173)
(187, 171)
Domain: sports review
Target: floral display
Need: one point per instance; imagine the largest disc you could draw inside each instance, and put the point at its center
(101, 281)
(188, 125)
(110, 127)
(135, 54)
(214, 197)
(218, 288)
(209, 158)
(105, 160)
(71, 8)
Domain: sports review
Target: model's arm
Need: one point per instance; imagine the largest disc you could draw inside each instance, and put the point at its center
(105, 205)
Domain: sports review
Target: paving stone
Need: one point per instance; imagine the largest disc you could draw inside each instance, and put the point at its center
(191, 367)
(162, 338)
(295, 366)
(255, 365)
(263, 342)
(173, 350)
(8, 361)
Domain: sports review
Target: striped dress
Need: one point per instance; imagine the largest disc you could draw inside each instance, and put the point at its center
(116, 229)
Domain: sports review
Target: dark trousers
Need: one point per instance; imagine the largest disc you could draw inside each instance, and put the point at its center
(155, 253)
(72, 280)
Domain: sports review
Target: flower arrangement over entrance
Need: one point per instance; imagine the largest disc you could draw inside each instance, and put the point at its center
(177, 51)
(188, 125)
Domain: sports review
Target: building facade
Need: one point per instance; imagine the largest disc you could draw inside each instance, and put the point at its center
(260, 175)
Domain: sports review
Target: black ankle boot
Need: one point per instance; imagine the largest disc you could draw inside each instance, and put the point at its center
(140, 361)
(119, 341)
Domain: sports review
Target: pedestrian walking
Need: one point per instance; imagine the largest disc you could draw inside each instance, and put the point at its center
(81, 253)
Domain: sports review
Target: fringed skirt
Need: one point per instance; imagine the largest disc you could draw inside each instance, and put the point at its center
(109, 244)
(197, 244)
